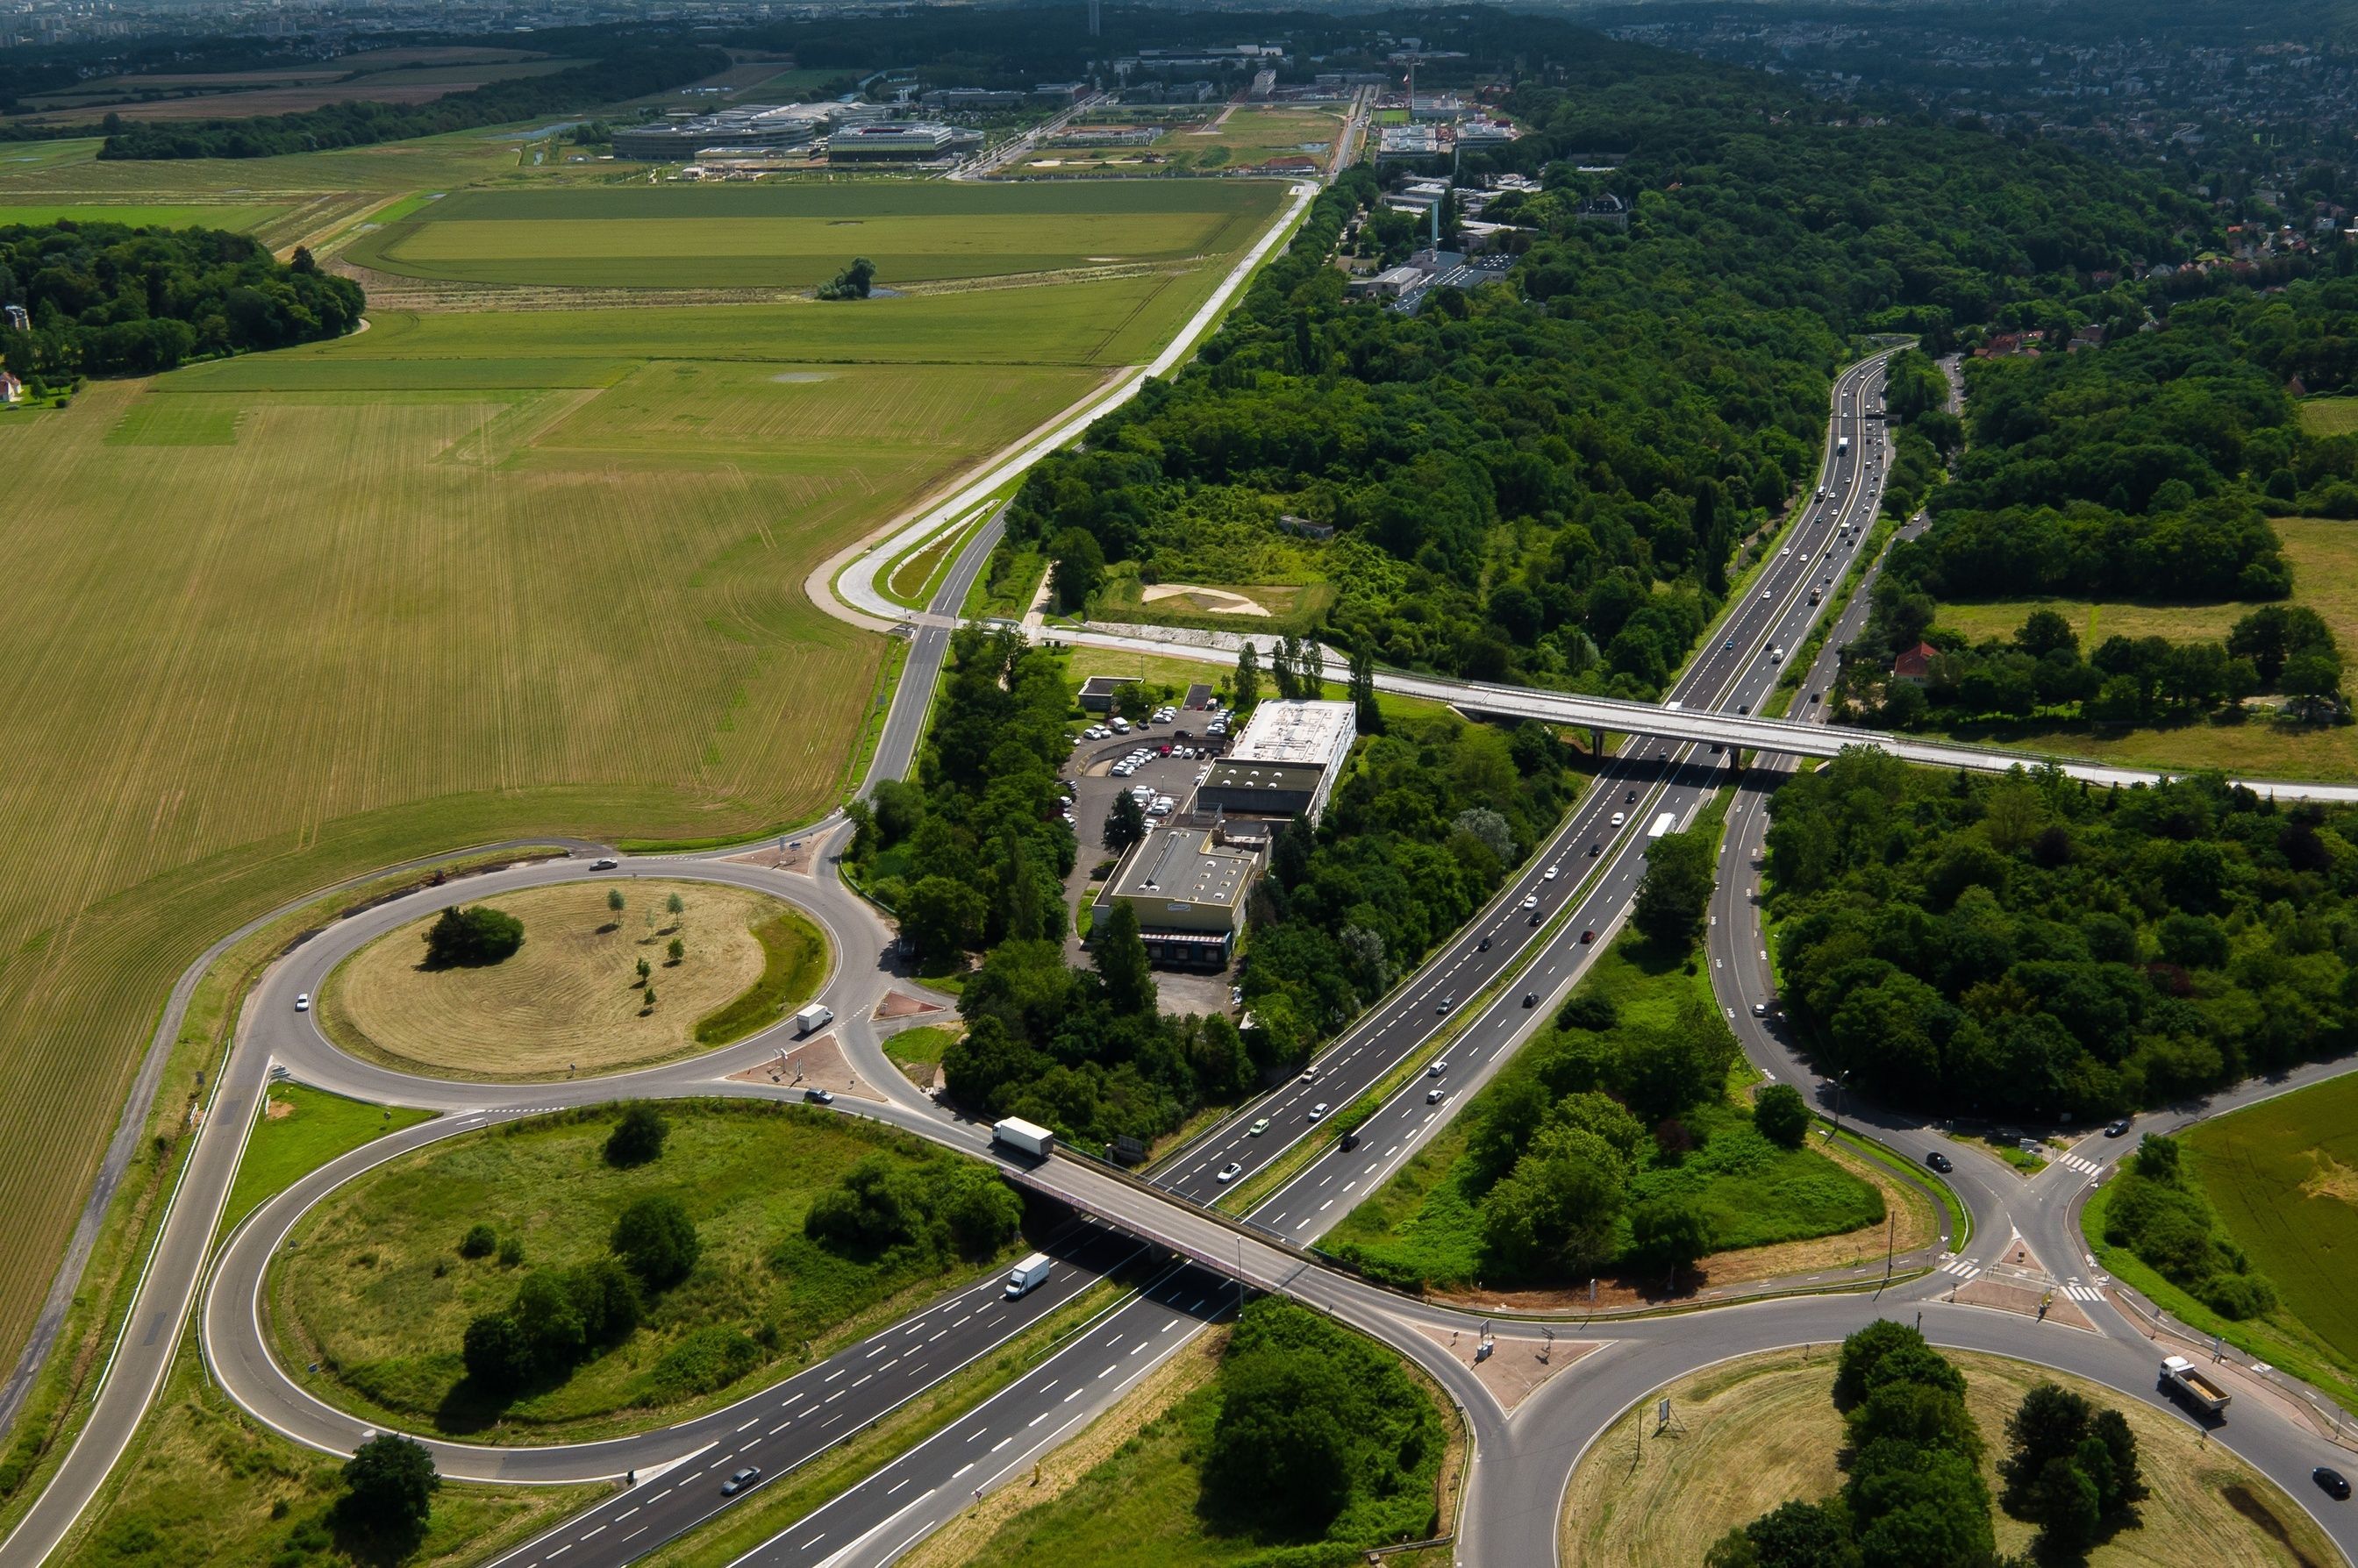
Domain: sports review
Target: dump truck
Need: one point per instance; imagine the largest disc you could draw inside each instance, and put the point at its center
(1027, 1137)
(813, 1018)
(1025, 1276)
(2178, 1377)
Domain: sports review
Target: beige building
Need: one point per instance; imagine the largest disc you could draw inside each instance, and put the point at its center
(1187, 886)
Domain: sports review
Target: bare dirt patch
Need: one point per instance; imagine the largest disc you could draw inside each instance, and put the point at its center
(816, 1063)
(569, 1000)
(899, 1005)
(1211, 601)
(1518, 1364)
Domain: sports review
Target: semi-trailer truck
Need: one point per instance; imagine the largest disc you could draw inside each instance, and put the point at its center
(1842, 445)
(1027, 1276)
(813, 1018)
(2179, 1376)
(1028, 1137)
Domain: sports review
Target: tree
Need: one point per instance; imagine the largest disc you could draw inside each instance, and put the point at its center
(647, 1000)
(1863, 1351)
(494, 1353)
(1121, 963)
(657, 1239)
(943, 916)
(1669, 1234)
(1248, 681)
(675, 906)
(1279, 1449)
(676, 951)
(614, 902)
(1676, 888)
(479, 1242)
(645, 971)
(1795, 1535)
(471, 937)
(1078, 572)
(637, 1138)
(853, 282)
(1366, 714)
(389, 1485)
(1782, 1115)
(1125, 822)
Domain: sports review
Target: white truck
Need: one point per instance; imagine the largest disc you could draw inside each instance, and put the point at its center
(813, 1018)
(1027, 1276)
(1029, 1137)
(2179, 1377)
(1842, 445)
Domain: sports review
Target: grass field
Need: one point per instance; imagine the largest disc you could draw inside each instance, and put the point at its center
(1425, 1221)
(2323, 554)
(794, 966)
(798, 234)
(567, 1001)
(301, 1129)
(1763, 1429)
(1224, 138)
(371, 1286)
(235, 216)
(919, 1050)
(2329, 415)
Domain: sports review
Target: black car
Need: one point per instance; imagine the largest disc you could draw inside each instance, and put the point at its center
(1350, 1141)
(1482, 946)
(1630, 798)
(2118, 1129)
(1531, 998)
(1595, 850)
(1537, 914)
(1939, 1161)
(2331, 1482)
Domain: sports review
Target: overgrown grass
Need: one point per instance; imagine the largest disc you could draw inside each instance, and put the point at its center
(918, 1051)
(372, 1289)
(301, 1129)
(794, 964)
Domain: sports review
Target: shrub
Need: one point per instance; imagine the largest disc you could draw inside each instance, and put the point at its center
(637, 1138)
(511, 1253)
(711, 1357)
(656, 1237)
(480, 1242)
(471, 937)
(1782, 1115)
(389, 1487)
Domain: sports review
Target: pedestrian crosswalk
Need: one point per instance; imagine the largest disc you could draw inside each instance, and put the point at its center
(1962, 1268)
(2079, 1163)
(2083, 1293)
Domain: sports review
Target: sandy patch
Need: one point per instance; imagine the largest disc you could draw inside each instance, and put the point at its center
(1211, 601)
(799, 378)
(1519, 1364)
(815, 1063)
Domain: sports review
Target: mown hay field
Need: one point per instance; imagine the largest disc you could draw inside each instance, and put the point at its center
(2283, 1177)
(1763, 1429)
(284, 618)
(797, 234)
(232, 215)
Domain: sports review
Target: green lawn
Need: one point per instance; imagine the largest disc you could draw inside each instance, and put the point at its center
(234, 216)
(919, 1050)
(302, 1129)
(374, 1290)
(799, 233)
(2329, 415)
(1425, 1223)
(794, 965)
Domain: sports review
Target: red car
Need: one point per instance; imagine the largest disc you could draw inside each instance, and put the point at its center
(1587, 936)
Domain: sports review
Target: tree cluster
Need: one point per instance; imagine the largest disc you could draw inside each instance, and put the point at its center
(630, 66)
(1432, 815)
(1912, 1493)
(853, 282)
(1321, 1434)
(944, 1207)
(2156, 1209)
(2028, 946)
(2070, 1469)
(472, 938)
(104, 299)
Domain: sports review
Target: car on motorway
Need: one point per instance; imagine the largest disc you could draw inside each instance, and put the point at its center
(1435, 1096)
(302, 1002)
(1310, 1075)
(1439, 1066)
(1595, 850)
(1551, 874)
(1630, 798)
(1482, 946)
(741, 1480)
(1586, 937)
(1229, 1173)
(1537, 917)
(1531, 998)
(2116, 1129)
(1318, 1111)
(1444, 1004)
(1531, 901)
(1760, 1009)
(1618, 819)
(1258, 1128)
(2331, 1482)
(1939, 1161)
(1350, 1140)
(1763, 593)
(1730, 642)
(608, 864)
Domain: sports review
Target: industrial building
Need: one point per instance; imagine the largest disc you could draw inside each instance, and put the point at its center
(1187, 886)
(1285, 764)
(678, 137)
(1099, 692)
(912, 141)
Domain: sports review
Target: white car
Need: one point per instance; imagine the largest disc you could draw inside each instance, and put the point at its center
(1618, 819)
(1552, 872)
(1229, 1173)
(1160, 808)
(1318, 1111)
(1532, 902)
(303, 1002)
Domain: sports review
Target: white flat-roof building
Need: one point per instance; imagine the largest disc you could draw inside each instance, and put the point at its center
(1285, 764)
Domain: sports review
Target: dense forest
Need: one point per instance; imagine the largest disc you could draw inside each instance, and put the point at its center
(1544, 478)
(107, 300)
(628, 66)
(2027, 946)
(2145, 468)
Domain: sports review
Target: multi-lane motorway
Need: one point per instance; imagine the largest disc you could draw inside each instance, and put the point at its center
(1471, 995)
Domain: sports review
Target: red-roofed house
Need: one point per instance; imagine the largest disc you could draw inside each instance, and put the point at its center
(1916, 664)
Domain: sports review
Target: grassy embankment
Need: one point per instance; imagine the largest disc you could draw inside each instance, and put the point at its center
(202, 1484)
(460, 577)
(569, 1000)
(2282, 1176)
(1425, 1220)
(2323, 554)
(1761, 1431)
(371, 1287)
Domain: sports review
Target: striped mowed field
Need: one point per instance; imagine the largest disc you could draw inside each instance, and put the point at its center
(285, 618)
(800, 233)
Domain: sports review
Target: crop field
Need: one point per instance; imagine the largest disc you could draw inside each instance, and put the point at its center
(800, 233)
(1223, 138)
(461, 577)
(1763, 1429)
(235, 216)
(2329, 415)
(2283, 1179)
(374, 1289)
(570, 999)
